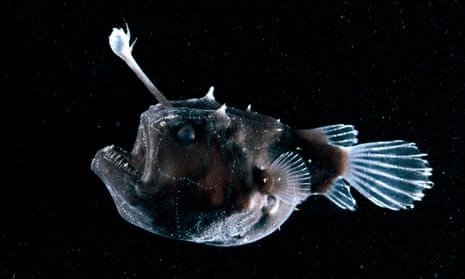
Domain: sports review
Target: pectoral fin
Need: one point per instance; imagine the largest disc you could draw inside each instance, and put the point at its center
(291, 178)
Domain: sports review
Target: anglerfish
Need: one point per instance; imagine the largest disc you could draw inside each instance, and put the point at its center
(208, 173)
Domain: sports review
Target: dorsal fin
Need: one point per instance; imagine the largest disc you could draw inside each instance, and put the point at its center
(292, 176)
(339, 134)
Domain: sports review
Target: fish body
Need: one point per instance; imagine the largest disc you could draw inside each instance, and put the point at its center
(203, 172)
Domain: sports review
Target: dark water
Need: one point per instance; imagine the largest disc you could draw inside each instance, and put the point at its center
(394, 70)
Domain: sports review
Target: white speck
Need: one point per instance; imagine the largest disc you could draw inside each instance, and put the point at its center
(210, 95)
(222, 109)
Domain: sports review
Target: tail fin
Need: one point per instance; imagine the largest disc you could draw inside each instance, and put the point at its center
(391, 174)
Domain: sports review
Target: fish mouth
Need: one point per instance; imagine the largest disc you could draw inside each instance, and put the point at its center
(120, 159)
(115, 167)
(113, 161)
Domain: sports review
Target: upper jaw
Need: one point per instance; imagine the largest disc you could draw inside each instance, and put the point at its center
(116, 158)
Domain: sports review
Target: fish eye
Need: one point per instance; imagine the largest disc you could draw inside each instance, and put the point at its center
(186, 134)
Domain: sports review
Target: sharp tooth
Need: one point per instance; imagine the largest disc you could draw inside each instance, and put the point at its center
(108, 148)
(119, 159)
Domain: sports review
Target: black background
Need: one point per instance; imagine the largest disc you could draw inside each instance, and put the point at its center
(394, 70)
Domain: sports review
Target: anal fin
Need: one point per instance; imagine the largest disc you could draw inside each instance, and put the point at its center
(339, 194)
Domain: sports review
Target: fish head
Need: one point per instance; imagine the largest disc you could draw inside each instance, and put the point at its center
(173, 181)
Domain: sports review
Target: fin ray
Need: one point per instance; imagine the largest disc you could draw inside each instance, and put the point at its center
(414, 195)
(294, 177)
(339, 134)
(339, 194)
(391, 166)
(391, 174)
